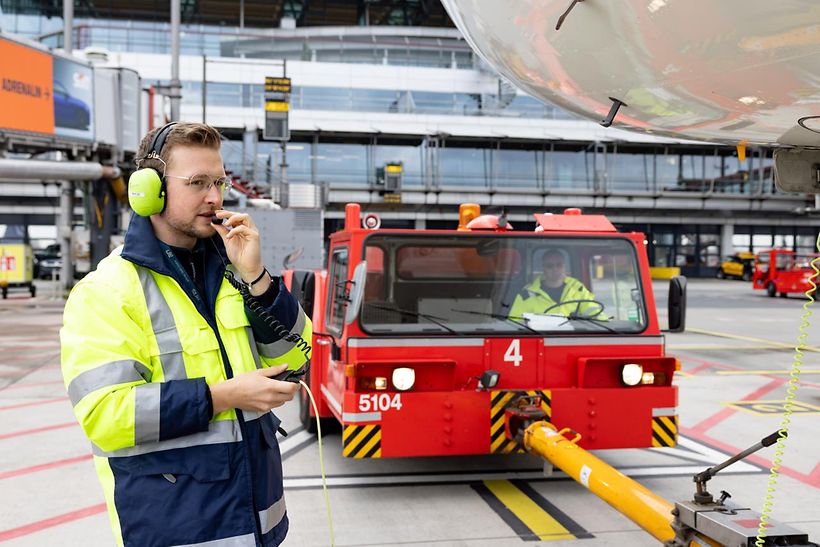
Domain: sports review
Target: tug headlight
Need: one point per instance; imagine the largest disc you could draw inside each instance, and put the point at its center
(404, 378)
(632, 374)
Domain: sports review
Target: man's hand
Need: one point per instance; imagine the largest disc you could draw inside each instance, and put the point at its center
(256, 391)
(241, 239)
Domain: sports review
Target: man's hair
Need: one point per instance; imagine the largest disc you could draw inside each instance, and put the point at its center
(181, 134)
(553, 252)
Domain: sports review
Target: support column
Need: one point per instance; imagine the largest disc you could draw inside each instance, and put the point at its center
(175, 87)
(421, 223)
(727, 231)
(68, 26)
(250, 140)
(64, 234)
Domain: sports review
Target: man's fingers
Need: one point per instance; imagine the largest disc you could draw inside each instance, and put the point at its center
(234, 231)
(270, 372)
(237, 219)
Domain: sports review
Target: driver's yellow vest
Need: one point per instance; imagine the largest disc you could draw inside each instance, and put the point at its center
(533, 299)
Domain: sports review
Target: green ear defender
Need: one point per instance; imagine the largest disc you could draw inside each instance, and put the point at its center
(146, 187)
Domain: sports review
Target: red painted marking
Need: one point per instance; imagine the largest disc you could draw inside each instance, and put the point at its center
(724, 413)
(6, 535)
(747, 523)
(812, 478)
(36, 430)
(43, 466)
(704, 364)
(33, 384)
(699, 368)
(33, 403)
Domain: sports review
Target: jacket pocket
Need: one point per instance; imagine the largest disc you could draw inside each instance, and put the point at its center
(230, 312)
(182, 496)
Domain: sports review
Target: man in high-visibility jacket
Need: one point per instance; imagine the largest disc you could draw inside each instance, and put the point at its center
(553, 291)
(170, 371)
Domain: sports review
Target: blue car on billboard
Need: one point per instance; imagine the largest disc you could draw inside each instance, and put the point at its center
(69, 111)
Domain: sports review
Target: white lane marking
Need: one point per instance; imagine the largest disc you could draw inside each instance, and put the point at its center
(709, 452)
(294, 439)
(410, 480)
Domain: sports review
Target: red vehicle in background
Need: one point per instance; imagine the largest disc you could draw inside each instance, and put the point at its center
(781, 271)
(415, 351)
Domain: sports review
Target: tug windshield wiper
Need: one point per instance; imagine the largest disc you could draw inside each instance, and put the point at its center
(498, 316)
(431, 318)
(596, 322)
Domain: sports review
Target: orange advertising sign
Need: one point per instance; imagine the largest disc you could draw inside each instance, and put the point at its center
(25, 89)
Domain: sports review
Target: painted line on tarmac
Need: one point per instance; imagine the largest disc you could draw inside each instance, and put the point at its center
(768, 408)
(33, 403)
(32, 384)
(812, 478)
(527, 512)
(468, 478)
(43, 466)
(761, 372)
(772, 343)
(724, 347)
(725, 413)
(36, 430)
(27, 529)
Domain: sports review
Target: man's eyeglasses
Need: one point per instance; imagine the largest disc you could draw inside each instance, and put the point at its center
(553, 265)
(204, 183)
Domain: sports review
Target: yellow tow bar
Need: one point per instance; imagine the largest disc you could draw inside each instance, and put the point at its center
(645, 508)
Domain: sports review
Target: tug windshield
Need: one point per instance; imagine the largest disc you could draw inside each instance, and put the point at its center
(501, 284)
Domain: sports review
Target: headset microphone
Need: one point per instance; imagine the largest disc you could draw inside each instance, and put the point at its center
(146, 186)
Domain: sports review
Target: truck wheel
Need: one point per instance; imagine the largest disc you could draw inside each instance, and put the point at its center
(720, 274)
(5, 292)
(771, 290)
(33, 290)
(747, 276)
(307, 421)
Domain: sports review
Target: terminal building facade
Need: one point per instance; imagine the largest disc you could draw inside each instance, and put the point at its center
(390, 108)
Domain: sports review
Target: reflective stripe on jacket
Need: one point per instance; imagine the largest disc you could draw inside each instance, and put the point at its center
(136, 357)
(533, 299)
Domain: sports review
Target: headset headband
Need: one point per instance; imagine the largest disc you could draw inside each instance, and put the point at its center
(159, 141)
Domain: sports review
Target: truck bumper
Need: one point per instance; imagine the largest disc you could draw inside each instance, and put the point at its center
(471, 422)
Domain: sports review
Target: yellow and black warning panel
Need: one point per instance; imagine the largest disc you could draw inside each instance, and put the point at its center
(362, 441)
(499, 400)
(664, 431)
(531, 516)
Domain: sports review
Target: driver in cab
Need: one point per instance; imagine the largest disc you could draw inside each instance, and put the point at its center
(552, 291)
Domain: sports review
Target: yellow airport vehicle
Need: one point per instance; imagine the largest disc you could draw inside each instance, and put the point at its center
(16, 268)
(738, 266)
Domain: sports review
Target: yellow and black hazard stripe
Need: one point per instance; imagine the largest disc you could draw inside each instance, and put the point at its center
(499, 400)
(664, 431)
(531, 516)
(362, 441)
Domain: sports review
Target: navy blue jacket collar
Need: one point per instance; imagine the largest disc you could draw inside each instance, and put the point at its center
(144, 249)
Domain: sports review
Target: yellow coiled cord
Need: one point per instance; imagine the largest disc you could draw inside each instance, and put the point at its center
(791, 390)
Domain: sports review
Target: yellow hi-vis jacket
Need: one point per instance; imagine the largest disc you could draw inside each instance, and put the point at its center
(137, 357)
(533, 299)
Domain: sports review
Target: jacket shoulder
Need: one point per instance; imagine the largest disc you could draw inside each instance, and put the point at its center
(114, 277)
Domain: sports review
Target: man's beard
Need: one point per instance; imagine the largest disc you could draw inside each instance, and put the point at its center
(190, 229)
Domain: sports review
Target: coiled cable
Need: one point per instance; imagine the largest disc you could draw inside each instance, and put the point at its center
(791, 391)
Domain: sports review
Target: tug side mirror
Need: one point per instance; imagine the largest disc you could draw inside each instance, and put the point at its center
(677, 304)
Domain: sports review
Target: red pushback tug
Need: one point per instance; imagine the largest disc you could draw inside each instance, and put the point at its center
(417, 350)
(784, 272)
